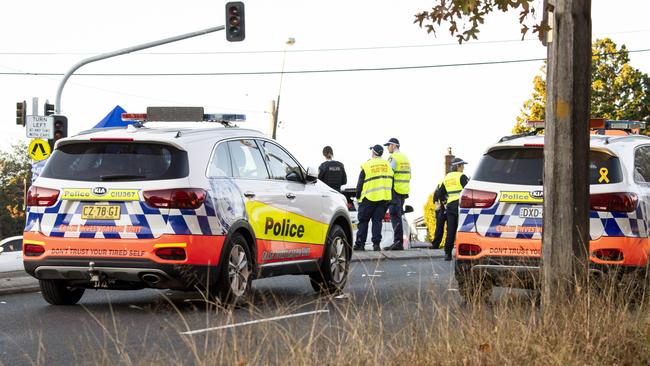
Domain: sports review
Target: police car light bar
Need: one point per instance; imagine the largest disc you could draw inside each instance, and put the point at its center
(536, 124)
(170, 116)
(596, 124)
(216, 117)
(138, 117)
(624, 125)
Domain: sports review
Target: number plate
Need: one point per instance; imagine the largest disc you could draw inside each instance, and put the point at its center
(100, 212)
(532, 212)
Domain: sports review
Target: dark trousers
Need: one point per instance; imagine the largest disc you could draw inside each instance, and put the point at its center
(441, 218)
(396, 210)
(452, 225)
(370, 210)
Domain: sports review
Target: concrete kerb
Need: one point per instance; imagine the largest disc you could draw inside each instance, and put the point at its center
(19, 282)
(15, 282)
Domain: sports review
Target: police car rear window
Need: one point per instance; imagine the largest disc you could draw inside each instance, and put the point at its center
(526, 165)
(116, 162)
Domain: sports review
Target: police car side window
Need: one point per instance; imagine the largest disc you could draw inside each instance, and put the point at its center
(247, 160)
(220, 163)
(642, 165)
(281, 164)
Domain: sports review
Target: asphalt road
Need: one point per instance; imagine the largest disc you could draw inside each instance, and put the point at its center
(136, 326)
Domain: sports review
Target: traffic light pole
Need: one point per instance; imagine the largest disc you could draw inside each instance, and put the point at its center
(124, 51)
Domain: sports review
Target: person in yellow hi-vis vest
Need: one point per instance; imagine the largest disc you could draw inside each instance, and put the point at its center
(452, 186)
(374, 194)
(401, 188)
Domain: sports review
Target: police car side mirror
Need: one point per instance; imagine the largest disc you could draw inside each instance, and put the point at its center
(408, 209)
(312, 175)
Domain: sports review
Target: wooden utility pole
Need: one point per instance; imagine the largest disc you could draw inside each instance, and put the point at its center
(565, 241)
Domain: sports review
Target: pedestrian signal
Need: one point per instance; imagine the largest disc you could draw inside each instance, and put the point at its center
(235, 21)
(21, 113)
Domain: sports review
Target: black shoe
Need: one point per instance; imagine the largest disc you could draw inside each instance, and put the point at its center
(447, 257)
(376, 248)
(395, 247)
(433, 246)
(359, 248)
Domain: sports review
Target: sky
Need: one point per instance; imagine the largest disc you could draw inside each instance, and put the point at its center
(429, 109)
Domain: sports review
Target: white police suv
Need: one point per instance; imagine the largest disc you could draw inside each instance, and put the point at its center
(500, 222)
(180, 208)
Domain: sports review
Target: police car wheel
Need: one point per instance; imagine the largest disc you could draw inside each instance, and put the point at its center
(237, 271)
(57, 292)
(335, 264)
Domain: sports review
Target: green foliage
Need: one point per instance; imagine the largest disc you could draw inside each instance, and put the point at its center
(15, 170)
(465, 16)
(618, 91)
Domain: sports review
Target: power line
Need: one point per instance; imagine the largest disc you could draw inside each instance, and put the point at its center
(368, 48)
(321, 71)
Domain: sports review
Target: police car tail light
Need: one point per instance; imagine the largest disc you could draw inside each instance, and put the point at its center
(33, 250)
(183, 198)
(472, 198)
(614, 202)
(172, 254)
(469, 249)
(39, 196)
(608, 254)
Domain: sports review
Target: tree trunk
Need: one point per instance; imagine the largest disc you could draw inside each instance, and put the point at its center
(565, 241)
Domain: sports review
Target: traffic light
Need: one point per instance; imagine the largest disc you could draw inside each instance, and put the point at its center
(235, 21)
(48, 108)
(60, 126)
(21, 113)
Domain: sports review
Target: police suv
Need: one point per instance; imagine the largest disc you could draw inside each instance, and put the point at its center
(500, 219)
(180, 208)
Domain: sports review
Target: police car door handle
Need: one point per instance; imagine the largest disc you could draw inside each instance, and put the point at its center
(291, 196)
(249, 194)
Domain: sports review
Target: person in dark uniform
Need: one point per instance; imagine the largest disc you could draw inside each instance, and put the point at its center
(440, 201)
(452, 186)
(332, 172)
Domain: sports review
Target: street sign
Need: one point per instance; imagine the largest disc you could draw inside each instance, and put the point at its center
(39, 149)
(40, 127)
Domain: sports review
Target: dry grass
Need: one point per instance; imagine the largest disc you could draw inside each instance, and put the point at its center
(426, 328)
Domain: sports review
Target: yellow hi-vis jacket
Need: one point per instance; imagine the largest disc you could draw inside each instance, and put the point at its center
(453, 186)
(378, 180)
(402, 177)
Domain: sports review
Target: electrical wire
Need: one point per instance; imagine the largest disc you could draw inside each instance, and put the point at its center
(243, 73)
(369, 48)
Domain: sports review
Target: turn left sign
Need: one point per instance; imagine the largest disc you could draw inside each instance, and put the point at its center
(39, 149)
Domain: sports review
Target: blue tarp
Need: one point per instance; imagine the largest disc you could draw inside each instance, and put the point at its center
(113, 119)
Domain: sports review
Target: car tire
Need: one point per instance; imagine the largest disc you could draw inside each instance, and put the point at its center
(57, 292)
(236, 277)
(475, 287)
(335, 264)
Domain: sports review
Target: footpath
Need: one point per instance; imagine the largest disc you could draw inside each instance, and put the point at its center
(14, 282)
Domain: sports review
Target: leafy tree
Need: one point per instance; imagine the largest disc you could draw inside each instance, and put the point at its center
(618, 91)
(15, 172)
(464, 16)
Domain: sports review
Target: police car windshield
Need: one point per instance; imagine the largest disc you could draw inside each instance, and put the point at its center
(116, 162)
(526, 165)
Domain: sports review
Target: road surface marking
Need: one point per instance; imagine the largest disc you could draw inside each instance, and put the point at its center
(191, 332)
